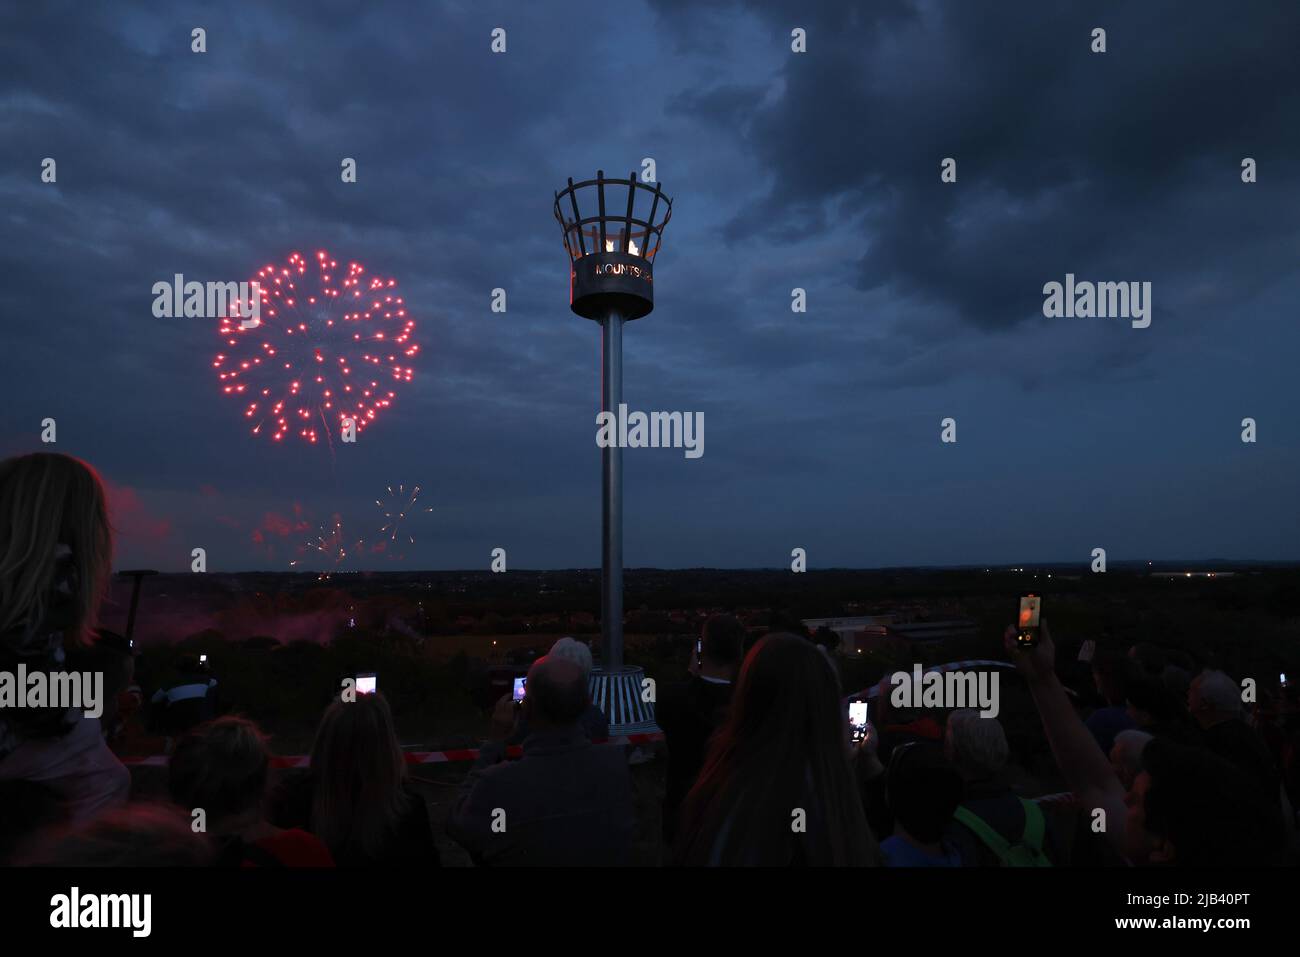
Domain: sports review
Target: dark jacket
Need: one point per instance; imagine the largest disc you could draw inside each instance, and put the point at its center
(1000, 808)
(688, 714)
(593, 722)
(1241, 745)
(565, 802)
(410, 844)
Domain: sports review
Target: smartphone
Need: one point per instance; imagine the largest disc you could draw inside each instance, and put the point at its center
(367, 683)
(699, 649)
(521, 688)
(203, 659)
(858, 721)
(1027, 628)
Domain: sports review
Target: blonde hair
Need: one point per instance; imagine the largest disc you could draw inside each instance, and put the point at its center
(358, 772)
(47, 500)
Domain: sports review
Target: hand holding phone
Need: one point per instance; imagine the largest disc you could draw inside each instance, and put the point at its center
(1027, 624)
(859, 723)
(1036, 662)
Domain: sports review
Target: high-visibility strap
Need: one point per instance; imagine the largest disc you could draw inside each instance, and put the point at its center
(986, 833)
(1035, 825)
(1031, 837)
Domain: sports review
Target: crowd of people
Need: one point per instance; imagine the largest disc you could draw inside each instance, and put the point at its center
(762, 768)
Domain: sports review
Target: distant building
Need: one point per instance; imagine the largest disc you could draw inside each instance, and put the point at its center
(934, 630)
(857, 634)
(869, 632)
(847, 627)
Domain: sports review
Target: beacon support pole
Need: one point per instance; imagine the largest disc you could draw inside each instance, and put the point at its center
(611, 470)
(611, 281)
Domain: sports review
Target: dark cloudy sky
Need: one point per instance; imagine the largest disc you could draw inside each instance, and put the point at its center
(818, 171)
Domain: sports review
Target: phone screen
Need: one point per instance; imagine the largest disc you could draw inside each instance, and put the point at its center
(520, 689)
(367, 684)
(1027, 627)
(858, 720)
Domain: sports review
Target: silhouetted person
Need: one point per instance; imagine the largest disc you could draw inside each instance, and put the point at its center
(994, 827)
(826, 638)
(566, 801)
(1214, 702)
(593, 720)
(356, 797)
(187, 701)
(1191, 808)
(776, 787)
(1148, 659)
(1186, 806)
(1155, 710)
(924, 790)
(689, 713)
(1110, 675)
(56, 548)
(221, 769)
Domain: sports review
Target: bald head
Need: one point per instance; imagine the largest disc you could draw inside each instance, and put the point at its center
(557, 693)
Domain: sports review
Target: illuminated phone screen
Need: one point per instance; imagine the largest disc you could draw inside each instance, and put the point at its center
(1027, 625)
(1029, 607)
(858, 719)
(367, 684)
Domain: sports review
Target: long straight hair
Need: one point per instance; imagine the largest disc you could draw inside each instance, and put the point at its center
(783, 747)
(357, 772)
(47, 500)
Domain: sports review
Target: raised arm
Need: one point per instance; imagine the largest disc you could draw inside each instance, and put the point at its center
(1086, 769)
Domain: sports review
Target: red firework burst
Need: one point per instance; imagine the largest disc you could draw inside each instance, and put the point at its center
(332, 344)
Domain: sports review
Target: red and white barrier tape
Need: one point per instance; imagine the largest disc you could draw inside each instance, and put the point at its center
(412, 757)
